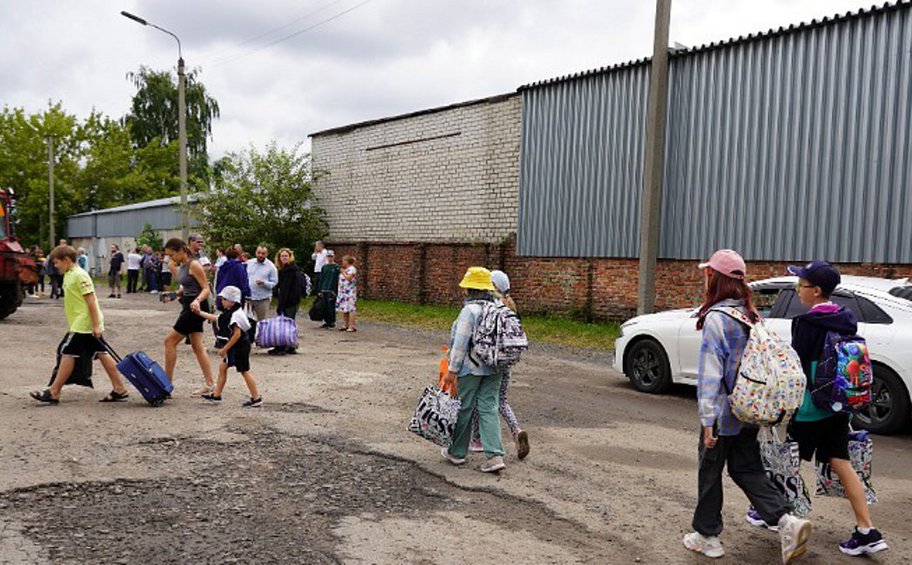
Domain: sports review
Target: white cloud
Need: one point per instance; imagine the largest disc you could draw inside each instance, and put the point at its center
(387, 57)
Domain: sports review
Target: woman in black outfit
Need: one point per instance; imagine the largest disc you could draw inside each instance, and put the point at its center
(291, 290)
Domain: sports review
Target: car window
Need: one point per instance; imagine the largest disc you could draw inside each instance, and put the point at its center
(796, 308)
(765, 300)
(872, 312)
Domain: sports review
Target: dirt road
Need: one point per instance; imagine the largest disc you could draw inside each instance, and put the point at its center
(325, 471)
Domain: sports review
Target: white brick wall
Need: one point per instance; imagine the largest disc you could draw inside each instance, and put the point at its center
(461, 187)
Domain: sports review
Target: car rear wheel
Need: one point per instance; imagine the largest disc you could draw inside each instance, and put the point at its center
(647, 367)
(889, 409)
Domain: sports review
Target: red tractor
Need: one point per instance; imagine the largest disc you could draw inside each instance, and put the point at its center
(17, 270)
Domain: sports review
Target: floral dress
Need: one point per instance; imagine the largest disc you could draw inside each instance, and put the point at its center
(348, 291)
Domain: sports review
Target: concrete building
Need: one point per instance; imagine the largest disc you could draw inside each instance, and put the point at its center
(776, 145)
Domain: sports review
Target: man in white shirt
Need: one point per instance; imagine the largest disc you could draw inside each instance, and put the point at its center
(133, 261)
(319, 259)
(263, 277)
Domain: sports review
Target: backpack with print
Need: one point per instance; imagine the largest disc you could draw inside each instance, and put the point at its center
(498, 339)
(842, 381)
(770, 382)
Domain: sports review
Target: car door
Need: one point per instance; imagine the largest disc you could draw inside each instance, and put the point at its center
(689, 340)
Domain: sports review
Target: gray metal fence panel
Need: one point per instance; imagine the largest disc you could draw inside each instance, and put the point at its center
(581, 165)
(791, 145)
(129, 223)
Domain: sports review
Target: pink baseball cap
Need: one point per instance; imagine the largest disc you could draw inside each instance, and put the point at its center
(727, 262)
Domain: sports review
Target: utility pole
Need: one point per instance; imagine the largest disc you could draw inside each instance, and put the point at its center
(653, 162)
(182, 137)
(181, 119)
(50, 141)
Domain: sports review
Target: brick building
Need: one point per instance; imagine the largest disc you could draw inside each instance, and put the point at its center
(775, 146)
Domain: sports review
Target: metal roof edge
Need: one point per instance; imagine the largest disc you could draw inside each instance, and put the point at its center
(359, 125)
(792, 28)
(157, 203)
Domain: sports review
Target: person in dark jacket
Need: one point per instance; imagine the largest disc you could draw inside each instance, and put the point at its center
(232, 273)
(291, 290)
(329, 286)
(822, 431)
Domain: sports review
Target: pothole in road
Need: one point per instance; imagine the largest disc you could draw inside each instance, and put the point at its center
(271, 499)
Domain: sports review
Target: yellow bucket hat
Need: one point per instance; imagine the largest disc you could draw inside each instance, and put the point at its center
(478, 278)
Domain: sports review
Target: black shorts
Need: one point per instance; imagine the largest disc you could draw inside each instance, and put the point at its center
(829, 438)
(188, 322)
(82, 345)
(239, 356)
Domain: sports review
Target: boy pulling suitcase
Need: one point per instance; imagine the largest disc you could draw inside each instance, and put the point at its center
(86, 326)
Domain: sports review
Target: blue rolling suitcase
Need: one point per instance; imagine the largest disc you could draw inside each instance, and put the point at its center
(146, 375)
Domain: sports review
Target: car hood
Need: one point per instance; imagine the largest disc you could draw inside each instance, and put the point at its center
(666, 316)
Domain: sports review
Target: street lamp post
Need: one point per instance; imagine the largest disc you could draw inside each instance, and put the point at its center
(181, 119)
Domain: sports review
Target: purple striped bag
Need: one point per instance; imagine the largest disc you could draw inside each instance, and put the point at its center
(280, 331)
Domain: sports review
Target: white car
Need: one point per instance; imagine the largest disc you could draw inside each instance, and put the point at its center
(656, 350)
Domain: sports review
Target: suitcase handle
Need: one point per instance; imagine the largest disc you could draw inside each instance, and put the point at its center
(110, 350)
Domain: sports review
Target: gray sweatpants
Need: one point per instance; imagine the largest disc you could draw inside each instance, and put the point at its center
(260, 308)
(742, 455)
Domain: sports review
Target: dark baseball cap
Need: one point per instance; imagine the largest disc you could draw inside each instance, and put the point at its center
(819, 273)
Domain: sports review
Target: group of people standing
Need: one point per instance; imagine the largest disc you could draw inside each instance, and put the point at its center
(336, 288)
(146, 271)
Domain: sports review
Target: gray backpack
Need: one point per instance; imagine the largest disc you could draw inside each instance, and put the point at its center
(498, 339)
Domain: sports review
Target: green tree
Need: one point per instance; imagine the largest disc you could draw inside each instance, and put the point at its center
(24, 167)
(149, 237)
(262, 197)
(154, 114)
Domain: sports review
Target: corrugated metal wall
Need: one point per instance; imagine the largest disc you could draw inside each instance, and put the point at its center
(125, 223)
(788, 146)
(582, 165)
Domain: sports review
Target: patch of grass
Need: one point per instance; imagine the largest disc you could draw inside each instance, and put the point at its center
(547, 329)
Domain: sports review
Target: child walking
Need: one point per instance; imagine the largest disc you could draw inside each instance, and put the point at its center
(821, 431)
(234, 344)
(724, 440)
(86, 326)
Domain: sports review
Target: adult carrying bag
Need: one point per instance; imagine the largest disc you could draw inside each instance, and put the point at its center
(769, 385)
(861, 454)
(498, 339)
(435, 416)
(842, 380)
(280, 331)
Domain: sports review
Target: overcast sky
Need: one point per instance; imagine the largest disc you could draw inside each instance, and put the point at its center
(381, 58)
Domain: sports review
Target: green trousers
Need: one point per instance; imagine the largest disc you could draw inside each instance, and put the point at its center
(483, 393)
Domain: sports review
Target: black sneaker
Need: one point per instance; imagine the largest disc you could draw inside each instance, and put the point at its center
(863, 544)
(253, 403)
(211, 398)
(276, 351)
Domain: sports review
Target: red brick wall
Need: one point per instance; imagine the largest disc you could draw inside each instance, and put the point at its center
(603, 289)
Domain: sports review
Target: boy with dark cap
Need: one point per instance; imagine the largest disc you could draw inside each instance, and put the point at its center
(823, 431)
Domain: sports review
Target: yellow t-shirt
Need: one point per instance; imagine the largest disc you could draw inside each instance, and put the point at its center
(76, 284)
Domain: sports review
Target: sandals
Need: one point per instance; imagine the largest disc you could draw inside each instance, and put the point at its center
(343, 329)
(206, 389)
(115, 396)
(44, 396)
(352, 330)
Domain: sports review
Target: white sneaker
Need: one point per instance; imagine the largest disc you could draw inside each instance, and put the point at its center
(794, 534)
(710, 546)
(445, 452)
(493, 465)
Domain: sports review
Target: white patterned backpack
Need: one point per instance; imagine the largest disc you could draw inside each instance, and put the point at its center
(769, 386)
